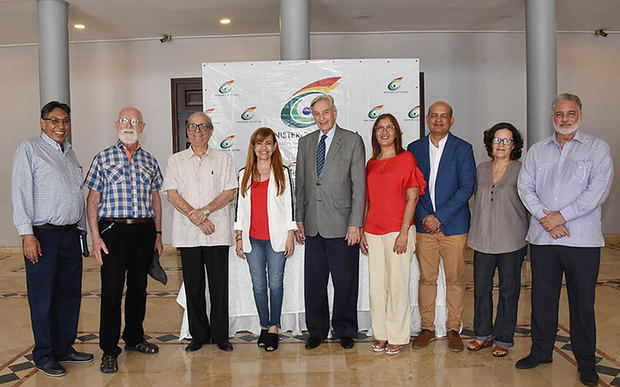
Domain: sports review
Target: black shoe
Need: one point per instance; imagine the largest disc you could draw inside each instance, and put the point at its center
(312, 343)
(347, 342)
(530, 362)
(588, 376)
(76, 357)
(263, 336)
(109, 365)
(225, 346)
(193, 346)
(52, 368)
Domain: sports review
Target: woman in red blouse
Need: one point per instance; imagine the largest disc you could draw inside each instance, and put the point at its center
(393, 185)
(265, 228)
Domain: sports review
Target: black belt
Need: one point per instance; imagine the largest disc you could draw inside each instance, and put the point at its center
(53, 227)
(127, 220)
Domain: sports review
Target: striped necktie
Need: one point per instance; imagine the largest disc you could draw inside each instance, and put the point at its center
(320, 155)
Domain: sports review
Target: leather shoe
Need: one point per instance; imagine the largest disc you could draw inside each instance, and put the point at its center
(109, 364)
(225, 346)
(52, 368)
(530, 362)
(347, 342)
(455, 343)
(194, 345)
(588, 376)
(77, 357)
(423, 339)
(312, 342)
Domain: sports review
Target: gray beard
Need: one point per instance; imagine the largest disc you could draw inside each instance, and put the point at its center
(128, 138)
(563, 131)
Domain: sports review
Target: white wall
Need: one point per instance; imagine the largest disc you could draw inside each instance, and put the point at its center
(481, 75)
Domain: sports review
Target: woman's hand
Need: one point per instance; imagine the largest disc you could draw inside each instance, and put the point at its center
(289, 248)
(400, 244)
(239, 249)
(363, 243)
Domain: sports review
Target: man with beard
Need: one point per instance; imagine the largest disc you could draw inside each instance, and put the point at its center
(564, 181)
(124, 216)
(48, 208)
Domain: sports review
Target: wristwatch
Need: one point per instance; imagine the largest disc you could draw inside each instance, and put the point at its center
(206, 212)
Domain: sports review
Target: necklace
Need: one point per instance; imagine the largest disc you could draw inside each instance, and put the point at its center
(385, 161)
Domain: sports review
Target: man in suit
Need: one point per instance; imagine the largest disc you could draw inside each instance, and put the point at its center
(442, 220)
(330, 190)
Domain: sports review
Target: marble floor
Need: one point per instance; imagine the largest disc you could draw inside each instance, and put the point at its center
(291, 364)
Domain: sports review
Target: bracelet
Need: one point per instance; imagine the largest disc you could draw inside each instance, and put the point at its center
(158, 232)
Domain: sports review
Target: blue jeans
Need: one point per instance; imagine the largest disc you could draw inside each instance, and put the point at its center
(261, 256)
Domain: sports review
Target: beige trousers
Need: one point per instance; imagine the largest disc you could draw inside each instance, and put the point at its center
(389, 276)
(429, 248)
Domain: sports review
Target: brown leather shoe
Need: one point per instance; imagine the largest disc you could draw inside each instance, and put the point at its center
(423, 339)
(455, 343)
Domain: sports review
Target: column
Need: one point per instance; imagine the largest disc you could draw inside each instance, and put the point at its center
(52, 17)
(294, 30)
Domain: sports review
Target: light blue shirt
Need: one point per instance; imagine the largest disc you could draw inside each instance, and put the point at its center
(574, 180)
(328, 140)
(46, 186)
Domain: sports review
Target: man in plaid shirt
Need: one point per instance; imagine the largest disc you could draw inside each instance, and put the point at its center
(124, 216)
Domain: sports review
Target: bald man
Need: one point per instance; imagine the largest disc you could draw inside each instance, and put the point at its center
(124, 216)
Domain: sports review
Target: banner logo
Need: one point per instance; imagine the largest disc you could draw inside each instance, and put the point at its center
(248, 114)
(414, 112)
(209, 111)
(296, 113)
(395, 84)
(374, 112)
(226, 87)
(227, 142)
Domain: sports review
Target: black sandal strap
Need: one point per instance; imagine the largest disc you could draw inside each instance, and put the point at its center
(272, 342)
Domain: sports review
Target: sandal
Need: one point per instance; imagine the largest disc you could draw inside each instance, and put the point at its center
(392, 349)
(143, 347)
(379, 345)
(476, 345)
(271, 344)
(262, 338)
(500, 351)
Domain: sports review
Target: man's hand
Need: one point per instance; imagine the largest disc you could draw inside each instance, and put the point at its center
(559, 232)
(31, 247)
(400, 244)
(158, 245)
(196, 216)
(98, 245)
(207, 227)
(353, 235)
(552, 220)
(300, 234)
(363, 243)
(431, 224)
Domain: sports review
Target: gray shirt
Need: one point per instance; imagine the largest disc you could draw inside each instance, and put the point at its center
(499, 221)
(46, 185)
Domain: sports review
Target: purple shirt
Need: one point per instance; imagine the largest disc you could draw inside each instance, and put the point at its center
(574, 180)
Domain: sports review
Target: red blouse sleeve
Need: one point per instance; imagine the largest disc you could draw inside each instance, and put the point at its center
(416, 178)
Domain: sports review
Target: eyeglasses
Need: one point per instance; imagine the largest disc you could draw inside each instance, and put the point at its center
(384, 128)
(132, 122)
(560, 115)
(56, 121)
(505, 141)
(199, 127)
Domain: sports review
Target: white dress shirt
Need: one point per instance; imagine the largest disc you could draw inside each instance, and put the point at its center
(434, 154)
(198, 181)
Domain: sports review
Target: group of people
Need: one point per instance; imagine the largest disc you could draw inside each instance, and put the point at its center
(400, 202)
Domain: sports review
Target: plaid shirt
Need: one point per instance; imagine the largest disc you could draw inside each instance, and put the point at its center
(126, 185)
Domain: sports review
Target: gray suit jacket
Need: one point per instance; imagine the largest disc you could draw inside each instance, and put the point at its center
(329, 204)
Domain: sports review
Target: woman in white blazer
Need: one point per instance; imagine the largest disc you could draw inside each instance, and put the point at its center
(265, 228)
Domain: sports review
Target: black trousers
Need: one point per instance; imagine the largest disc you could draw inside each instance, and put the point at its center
(580, 265)
(509, 269)
(322, 257)
(194, 261)
(54, 293)
(130, 248)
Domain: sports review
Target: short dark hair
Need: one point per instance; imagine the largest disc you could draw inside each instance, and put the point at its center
(47, 109)
(516, 137)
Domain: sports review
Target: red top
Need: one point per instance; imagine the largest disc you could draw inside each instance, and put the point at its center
(386, 183)
(259, 222)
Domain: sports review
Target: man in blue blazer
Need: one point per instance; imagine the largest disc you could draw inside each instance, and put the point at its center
(442, 220)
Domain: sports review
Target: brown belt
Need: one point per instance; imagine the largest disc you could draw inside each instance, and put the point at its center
(127, 220)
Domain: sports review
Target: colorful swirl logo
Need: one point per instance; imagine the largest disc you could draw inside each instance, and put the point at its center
(374, 112)
(395, 84)
(248, 114)
(414, 112)
(209, 111)
(296, 113)
(226, 87)
(227, 142)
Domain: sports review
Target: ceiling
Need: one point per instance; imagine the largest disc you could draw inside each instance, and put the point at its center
(132, 19)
